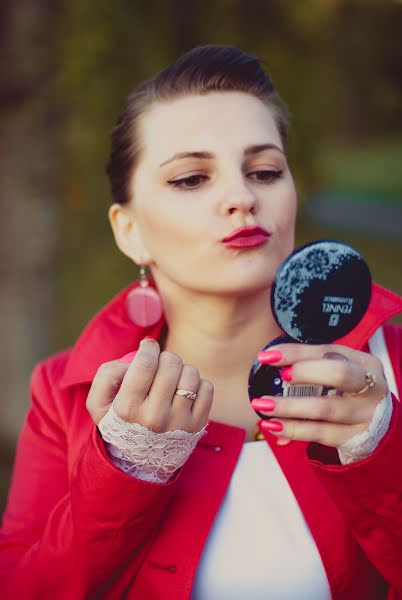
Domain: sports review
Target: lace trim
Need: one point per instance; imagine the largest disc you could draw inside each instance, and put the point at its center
(145, 454)
(363, 444)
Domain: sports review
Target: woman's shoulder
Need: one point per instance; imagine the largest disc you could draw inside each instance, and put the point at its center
(49, 370)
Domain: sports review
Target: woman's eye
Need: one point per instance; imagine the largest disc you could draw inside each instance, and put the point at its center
(194, 181)
(188, 183)
(266, 175)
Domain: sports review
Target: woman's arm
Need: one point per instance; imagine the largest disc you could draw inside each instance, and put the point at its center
(71, 538)
(369, 492)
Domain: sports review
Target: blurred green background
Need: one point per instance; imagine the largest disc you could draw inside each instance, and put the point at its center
(67, 66)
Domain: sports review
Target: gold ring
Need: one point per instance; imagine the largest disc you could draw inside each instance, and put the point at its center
(187, 394)
(370, 382)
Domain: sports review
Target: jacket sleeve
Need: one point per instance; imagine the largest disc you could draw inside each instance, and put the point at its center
(72, 537)
(369, 491)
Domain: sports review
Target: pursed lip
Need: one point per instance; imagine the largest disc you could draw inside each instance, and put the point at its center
(246, 232)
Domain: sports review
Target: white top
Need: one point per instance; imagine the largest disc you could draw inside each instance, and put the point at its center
(255, 553)
(261, 554)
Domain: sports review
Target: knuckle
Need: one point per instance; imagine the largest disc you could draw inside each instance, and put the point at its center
(153, 423)
(193, 372)
(377, 365)
(106, 370)
(88, 403)
(108, 374)
(171, 359)
(316, 433)
(126, 415)
(325, 348)
(323, 411)
(146, 361)
(290, 430)
(208, 386)
(340, 372)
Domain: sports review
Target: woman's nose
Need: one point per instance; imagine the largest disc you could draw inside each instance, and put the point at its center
(239, 199)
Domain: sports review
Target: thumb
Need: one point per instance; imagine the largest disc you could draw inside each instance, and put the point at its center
(105, 385)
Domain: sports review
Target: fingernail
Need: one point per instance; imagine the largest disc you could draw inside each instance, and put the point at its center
(263, 404)
(271, 426)
(127, 358)
(266, 357)
(286, 373)
(147, 339)
(282, 441)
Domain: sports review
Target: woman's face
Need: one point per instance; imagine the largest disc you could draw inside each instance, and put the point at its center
(212, 164)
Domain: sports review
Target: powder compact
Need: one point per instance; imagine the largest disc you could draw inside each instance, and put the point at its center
(320, 293)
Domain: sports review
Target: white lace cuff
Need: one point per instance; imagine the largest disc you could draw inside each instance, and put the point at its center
(145, 454)
(363, 444)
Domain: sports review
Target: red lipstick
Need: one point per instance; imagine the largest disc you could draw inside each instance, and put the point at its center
(246, 237)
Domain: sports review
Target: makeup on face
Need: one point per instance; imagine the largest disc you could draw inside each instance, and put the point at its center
(246, 237)
(199, 179)
(320, 293)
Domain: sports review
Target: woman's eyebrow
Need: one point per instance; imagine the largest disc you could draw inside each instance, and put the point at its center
(249, 151)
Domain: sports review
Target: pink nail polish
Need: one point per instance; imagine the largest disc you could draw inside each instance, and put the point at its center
(127, 358)
(266, 357)
(286, 374)
(263, 404)
(271, 426)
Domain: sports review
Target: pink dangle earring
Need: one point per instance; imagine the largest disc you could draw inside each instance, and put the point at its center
(144, 305)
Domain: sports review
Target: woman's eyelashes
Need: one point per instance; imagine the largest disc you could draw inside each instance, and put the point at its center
(188, 183)
(195, 181)
(266, 176)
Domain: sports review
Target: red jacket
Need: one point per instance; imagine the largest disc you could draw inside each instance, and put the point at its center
(77, 527)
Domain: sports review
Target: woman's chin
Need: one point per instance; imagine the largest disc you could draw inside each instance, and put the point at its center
(242, 287)
(224, 282)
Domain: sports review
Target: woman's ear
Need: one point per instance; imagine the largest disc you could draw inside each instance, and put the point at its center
(127, 235)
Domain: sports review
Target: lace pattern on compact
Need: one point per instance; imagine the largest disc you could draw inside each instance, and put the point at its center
(363, 444)
(142, 453)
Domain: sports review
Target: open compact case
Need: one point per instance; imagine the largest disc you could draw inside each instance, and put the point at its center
(320, 293)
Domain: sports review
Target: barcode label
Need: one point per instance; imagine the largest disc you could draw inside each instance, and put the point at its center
(301, 390)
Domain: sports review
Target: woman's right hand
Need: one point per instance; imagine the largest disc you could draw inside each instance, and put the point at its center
(143, 391)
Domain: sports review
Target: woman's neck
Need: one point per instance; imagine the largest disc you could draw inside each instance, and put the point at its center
(220, 336)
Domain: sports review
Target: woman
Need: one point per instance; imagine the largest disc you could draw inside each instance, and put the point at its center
(139, 477)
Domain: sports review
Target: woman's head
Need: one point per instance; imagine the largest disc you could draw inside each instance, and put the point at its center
(200, 71)
(197, 153)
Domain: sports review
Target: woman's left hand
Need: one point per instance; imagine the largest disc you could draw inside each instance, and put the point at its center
(329, 420)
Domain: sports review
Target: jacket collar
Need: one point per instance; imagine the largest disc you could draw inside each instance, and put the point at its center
(108, 336)
(111, 333)
(383, 305)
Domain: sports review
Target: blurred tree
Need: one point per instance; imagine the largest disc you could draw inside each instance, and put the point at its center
(29, 124)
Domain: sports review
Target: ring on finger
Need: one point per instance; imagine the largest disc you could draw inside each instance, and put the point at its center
(370, 382)
(186, 393)
(335, 356)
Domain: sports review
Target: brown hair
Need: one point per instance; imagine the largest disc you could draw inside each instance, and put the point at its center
(199, 71)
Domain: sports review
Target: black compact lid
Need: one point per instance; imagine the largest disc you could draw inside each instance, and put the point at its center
(321, 291)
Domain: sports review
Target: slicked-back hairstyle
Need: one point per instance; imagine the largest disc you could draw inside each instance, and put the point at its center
(202, 70)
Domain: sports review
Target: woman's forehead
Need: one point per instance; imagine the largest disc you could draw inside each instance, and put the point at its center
(211, 122)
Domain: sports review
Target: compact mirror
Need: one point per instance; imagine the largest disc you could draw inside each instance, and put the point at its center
(321, 291)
